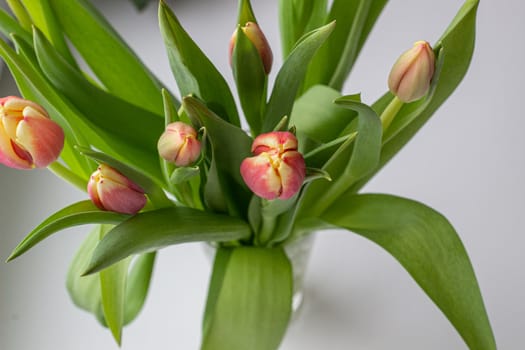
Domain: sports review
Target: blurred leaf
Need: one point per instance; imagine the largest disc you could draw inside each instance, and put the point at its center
(138, 285)
(80, 213)
(334, 61)
(316, 115)
(113, 62)
(140, 4)
(20, 12)
(193, 71)
(428, 247)
(134, 131)
(298, 17)
(245, 13)
(84, 291)
(183, 174)
(152, 230)
(9, 26)
(113, 292)
(251, 80)
(291, 75)
(455, 50)
(251, 301)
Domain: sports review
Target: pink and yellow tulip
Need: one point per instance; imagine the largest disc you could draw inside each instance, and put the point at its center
(258, 39)
(110, 190)
(179, 144)
(278, 170)
(28, 137)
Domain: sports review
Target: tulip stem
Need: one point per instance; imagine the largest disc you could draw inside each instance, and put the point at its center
(67, 175)
(390, 112)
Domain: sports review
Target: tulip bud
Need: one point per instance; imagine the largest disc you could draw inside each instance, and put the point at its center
(410, 76)
(28, 137)
(256, 36)
(277, 170)
(110, 190)
(178, 144)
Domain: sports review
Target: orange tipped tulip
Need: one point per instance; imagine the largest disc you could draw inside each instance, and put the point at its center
(179, 144)
(258, 39)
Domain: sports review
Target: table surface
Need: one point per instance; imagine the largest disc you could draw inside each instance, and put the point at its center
(467, 163)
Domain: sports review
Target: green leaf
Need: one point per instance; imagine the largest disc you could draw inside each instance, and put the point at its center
(183, 174)
(316, 115)
(354, 159)
(251, 304)
(80, 213)
(138, 285)
(113, 62)
(428, 247)
(113, 293)
(84, 291)
(298, 17)
(334, 61)
(193, 71)
(291, 76)
(455, 50)
(153, 230)
(132, 130)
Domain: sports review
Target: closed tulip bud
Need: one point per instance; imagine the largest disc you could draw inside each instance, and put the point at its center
(110, 190)
(256, 36)
(410, 76)
(28, 137)
(277, 170)
(179, 144)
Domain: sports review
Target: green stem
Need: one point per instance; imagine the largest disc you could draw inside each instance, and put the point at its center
(267, 229)
(67, 175)
(390, 113)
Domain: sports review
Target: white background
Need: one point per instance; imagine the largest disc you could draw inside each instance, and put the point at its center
(467, 162)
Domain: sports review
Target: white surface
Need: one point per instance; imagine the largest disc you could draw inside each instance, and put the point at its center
(467, 162)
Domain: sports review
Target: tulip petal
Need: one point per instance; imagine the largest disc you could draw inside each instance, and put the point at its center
(8, 156)
(119, 198)
(40, 136)
(259, 175)
(292, 171)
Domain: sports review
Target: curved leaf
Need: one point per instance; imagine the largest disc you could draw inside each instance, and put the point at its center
(80, 213)
(251, 301)
(428, 247)
(157, 229)
(137, 287)
(193, 71)
(291, 75)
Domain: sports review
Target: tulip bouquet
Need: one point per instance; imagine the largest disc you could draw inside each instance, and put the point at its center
(161, 170)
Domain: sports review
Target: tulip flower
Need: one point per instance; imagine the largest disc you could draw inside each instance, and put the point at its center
(277, 170)
(256, 36)
(410, 76)
(28, 137)
(110, 190)
(178, 144)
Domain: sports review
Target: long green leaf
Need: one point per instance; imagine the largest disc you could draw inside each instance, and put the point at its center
(113, 62)
(193, 71)
(84, 291)
(428, 247)
(80, 213)
(153, 230)
(133, 130)
(138, 285)
(253, 302)
(9, 26)
(291, 75)
(455, 50)
(113, 282)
